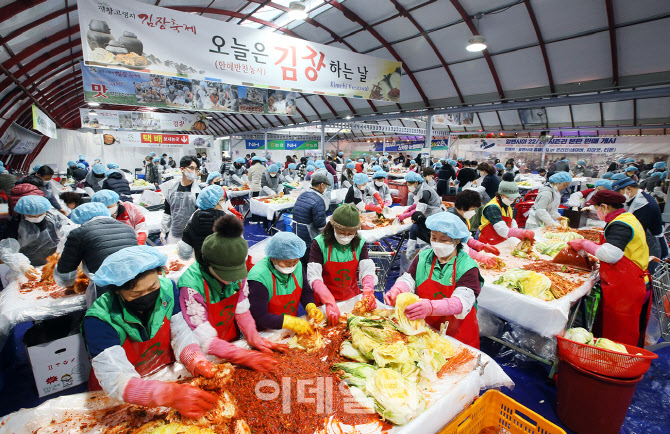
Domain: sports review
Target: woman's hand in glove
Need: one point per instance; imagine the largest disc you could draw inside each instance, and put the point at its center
(314, 312)
(188, 400)
(491, 249)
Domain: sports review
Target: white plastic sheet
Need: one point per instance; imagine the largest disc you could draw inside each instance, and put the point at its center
(238, 193)
(377, 234)
(153, 221)
(268, 210)
(450, 395)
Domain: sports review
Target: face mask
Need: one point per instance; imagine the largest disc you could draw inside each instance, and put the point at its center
(429, 178)
(628, 195)
(190, 175)
(379, 183)
(35, 219)
(469, 214)
(601, 215)
(285, 270)
(411, 188)
(273, 175)
(113, 209)
(144, 303)
(442, 250)
(507, 201)
(362, 187)
(102, 175)
(344, 240)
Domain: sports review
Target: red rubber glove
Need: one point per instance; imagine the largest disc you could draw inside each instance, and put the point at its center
(419, 310)
(141, 238)
(392, 294)
(408, 213)
(324, 294)
(370, 300)
(248, 326)
(491, 249)
(253, 359)
(373, 207)
(521, 234)
(188, 400)
(586, 245)
(236, 213)
(482, 258)
(380, 201)
(195, 362)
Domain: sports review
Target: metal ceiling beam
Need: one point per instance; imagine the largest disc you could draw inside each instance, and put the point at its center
(613, 46)
(41, 44)
(29, 94)
(543, 47)
(16, 7)
(216, 11)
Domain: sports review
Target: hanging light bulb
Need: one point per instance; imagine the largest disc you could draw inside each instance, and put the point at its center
(297, 10)
(476, 43)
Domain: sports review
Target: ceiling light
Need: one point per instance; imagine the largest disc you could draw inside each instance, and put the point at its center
(208, 117)
(476, 43)
(94, 104)
(92, 113)
(349, 117)
(297, 10)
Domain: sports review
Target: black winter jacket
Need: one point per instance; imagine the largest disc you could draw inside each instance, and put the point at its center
(118, 183)
(309, 209)
(199, 227)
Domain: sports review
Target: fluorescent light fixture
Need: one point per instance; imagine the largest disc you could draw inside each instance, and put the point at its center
(92, 113)
(476, 43)
(349, 117)
(94, 104)
(297, 10)
(208, 117)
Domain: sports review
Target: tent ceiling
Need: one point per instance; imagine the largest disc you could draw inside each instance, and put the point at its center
(536, 48)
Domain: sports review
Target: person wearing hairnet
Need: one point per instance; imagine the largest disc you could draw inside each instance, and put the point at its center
(608, 175)
(380, 186)
(117, 182)
(151, 173)
(363, 195)
(213, 178)
(277, 285)
(95, 177)
(497, 224)
(545, 210)
(580, 168)
(236, 175)
(97, 237)
(309, 212)
(32, 235)
(578, 198)
(79, 173)
(82, 160)
(212, 204)
(309, 171)
(125, 212)
(338, 260)
(180, 200)
(563, 165)
(290, 173)
(347, 178)
(446, 279)
(386, 165)
(136, 328)
(70, 167)
(422, 197)
(42, 180)
(631, 172)
(271, 181)
(213, 297)
(624, 277)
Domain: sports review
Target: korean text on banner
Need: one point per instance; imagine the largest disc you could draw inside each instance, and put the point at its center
(138, 139)
(566, 145)
(142, 121)
(283, 145)
(43, 123)
(137, 36)
(18, 140)
(411, 146)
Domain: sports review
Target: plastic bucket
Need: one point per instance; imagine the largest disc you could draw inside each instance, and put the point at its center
(592, 403)
(288, 219)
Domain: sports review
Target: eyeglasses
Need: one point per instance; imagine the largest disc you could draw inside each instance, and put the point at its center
(191, 168)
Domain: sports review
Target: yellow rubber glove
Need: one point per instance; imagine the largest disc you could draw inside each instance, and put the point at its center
(300, 326)
(314, 312)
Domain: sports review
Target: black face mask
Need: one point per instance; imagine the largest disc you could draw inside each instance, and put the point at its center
(238, 166)
(142, 304)
(102, 175)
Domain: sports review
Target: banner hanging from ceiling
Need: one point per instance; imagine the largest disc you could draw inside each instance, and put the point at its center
(138, 139)
(18, 140)
(567, 145)
(136, 36)
(142, 121)
(410, 146)
(452, 120)
(43, 123)
(283, 145)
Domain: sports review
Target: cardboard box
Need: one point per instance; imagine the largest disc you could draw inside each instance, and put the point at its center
(151, 198)
(59, 364)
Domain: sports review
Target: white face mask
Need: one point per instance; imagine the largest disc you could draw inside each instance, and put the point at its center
(362, 187)
(442, 250)
(379, 183)
(628, 195)
(273, 175)
(190, 175)
(113, 209)
(35, 219)
(286, 270)
(411, 188)
(508, 201)
(429, 178)
(344, 240)
(469, 214)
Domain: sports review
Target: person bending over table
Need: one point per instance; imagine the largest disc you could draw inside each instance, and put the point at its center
(277, 285)
(338, 259)
(545, 210)
(624, 278)
(180, 198)
(497, 224)
(382, 187)
(347, 179)
(465, 207)
(95, 177)
(214, 178)
(137, 328)
(271, 181)
(422, 197)
(364, 196)
(446, 279)
(125, 212)
(236, 173)
(213, 297)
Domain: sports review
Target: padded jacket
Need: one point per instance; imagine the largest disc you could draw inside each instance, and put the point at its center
(21, 190)
(310, 212)
(199, 227)
(118, 183)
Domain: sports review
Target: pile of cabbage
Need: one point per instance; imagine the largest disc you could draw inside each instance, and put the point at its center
(583, 336)
(550, 247)
(562, 236)
(394, 361)
(527, 282)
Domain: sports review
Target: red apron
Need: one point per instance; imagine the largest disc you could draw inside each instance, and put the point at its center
(341, 277)
(284, 304)
(222, 314)
(465, 330)
(489, 235)
(147, 357)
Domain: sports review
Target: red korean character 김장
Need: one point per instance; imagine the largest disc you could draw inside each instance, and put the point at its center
(312, 72)
(288, 73)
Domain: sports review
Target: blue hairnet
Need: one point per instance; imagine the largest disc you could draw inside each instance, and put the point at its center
(81, 166)
(240, 160)
(621, 160)
(413, 177)
(320, 165)
(71, 164)
(2, 169)
(630, 160)
(659, 165)
(256, 158)
(444, 160)
(212, 176)
(360, 179)
(210, 196)
(450, 225)
(109, 172)
(36, 167)
(310, 168)
(273, 168)
(86, 211)
(559, 177)
(460, 159)
(106, 197)
(32, 205)
(126, 264)
(319, 161)
(156, 160)
(453, 162)
(376, 168)
(385, 160)
(112, 166)
(499, 166)
(350, 166)
(365, 155)
(98, 169)
(630, 169)
(438, 166)
(285, 245)
(82, 157)
(292, 166)
(566, 160)
(360, 160)
(657, 174)
(581, 162)
(603, 183)
(340, 153)
(412, 162)
(348, 160)
(151, 154)
(264, 160)
(608, 175)
(379, 174)
(618, 176)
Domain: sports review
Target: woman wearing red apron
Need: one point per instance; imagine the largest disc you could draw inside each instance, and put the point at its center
(338, 260)
(625, 281)
(446, 279)
(277, 286)
(213, 298)
(136, 328)
(496, 222)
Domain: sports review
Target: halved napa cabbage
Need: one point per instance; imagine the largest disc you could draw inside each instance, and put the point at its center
(579, 334)
(527, 282)
(347, 350)
(354, 374)
(396, 399)
(610, 345)
(562, 236)
(408, 327)
(395, 354)
(551, 247)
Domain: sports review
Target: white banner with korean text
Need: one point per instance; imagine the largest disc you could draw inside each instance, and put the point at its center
(43, 123)
(142, 121)
(567, 145)
(154, 140)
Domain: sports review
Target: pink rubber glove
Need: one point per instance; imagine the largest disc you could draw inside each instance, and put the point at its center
(447, 306)
(188, 400)
(195, 362)
(248, 326)
(491, 249)
(253, 359)
(408, 213)
(379, 199)
(479, 246)
(482, 258)
(322, 291)
(369, 293)
(419, 310)
(586, 245)
(392, 294)
(521, 234)
(373, 207)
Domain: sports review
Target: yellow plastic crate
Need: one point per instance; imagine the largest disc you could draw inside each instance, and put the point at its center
(495, 409)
